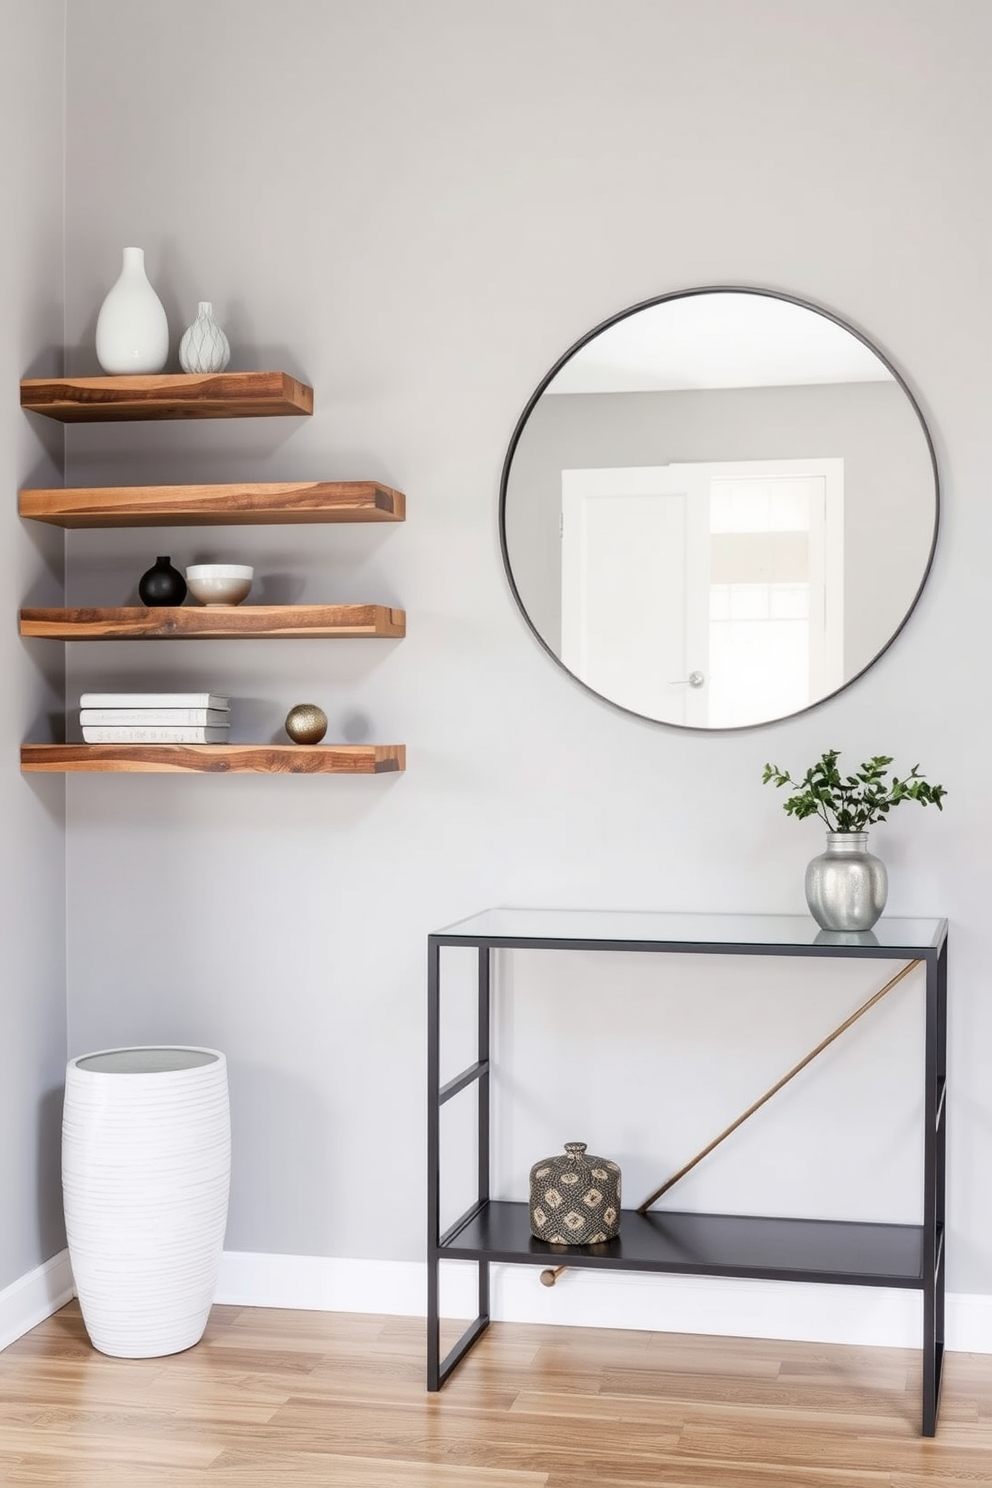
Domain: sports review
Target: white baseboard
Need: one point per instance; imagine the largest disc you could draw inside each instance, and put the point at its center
(616, 1299)
(663, 1304)
(32, 1298)
(320, 1284)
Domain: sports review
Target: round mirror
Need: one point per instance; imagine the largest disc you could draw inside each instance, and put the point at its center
(719, 508)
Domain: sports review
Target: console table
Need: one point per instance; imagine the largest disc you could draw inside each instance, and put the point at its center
(845, 1252)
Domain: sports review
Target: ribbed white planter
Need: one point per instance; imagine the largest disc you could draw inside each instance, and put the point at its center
(146, 1163)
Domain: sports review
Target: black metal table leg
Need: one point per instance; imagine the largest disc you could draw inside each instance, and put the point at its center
(433, 1163)
(483, 1052)
(439, 1369)
(935, 1144)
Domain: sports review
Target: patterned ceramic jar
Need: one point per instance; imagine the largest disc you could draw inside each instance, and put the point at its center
(575, 1198)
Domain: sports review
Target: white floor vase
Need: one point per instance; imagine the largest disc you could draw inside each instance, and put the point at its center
(146, 1163)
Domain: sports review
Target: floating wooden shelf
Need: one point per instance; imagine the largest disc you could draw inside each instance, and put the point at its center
(196, 622)
(214, 506)
(209, 396)
(181, 395)
(215, 759)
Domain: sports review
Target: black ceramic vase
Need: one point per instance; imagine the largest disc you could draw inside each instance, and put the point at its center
(162, 585)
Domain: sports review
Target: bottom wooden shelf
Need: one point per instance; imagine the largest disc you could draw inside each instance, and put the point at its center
(216, 759)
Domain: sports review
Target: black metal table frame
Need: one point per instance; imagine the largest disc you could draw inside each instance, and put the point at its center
(489, 1232)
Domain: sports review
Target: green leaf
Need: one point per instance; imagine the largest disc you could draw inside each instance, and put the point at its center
(854, 802)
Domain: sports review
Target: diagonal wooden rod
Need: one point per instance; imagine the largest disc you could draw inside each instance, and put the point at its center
(552, 1273)
(756, 1106)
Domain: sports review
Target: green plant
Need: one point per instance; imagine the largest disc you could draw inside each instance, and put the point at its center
(852, 803)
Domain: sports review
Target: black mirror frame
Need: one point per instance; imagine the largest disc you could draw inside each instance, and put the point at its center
(648, 304)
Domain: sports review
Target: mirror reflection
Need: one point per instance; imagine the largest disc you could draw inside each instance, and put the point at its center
(719, 508)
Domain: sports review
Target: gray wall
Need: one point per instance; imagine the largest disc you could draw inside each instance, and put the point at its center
(888, 481)
(32, 809)
(417, 207)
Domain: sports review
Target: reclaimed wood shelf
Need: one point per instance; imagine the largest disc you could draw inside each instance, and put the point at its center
(215, 759)
(180, 395)
(195, 622)
(203, 396)
(214, 506)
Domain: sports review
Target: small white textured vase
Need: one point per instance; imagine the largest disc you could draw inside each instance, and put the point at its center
(146, 1162)
(132, 331)
(204, 347)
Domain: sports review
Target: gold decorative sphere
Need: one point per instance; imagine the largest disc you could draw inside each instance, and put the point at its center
(306, 723)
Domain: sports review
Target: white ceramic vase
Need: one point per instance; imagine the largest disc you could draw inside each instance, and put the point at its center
(204, 347)
(132, 331)
(146, 1161)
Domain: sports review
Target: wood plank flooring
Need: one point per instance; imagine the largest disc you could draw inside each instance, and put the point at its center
(271, 1399)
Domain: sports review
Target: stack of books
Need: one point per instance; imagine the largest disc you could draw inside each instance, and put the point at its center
(154, 717)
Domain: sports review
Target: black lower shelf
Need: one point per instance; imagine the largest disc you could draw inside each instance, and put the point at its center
(841, 1251)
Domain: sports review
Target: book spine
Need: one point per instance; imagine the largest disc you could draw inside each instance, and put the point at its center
(100, 734)
(118, 717)
(154, 700)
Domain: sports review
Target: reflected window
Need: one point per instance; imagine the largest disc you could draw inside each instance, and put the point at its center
(776, 608)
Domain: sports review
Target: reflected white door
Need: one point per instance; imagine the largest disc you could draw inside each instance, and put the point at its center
(629, 546)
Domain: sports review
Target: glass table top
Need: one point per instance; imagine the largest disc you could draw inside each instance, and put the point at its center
(652, 927)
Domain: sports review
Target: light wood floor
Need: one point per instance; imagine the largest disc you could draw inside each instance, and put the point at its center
(271, 1399)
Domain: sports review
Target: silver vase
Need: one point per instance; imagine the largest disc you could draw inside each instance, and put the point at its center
(846, 886)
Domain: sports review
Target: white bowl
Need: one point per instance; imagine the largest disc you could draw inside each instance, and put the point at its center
(219, 584)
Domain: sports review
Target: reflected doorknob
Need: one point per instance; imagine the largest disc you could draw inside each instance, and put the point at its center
(694, 679)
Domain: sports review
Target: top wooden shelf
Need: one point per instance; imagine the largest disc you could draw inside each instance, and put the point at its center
(80, 400)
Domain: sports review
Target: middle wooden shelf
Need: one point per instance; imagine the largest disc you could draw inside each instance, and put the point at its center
(286, 502)
(191, 622)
